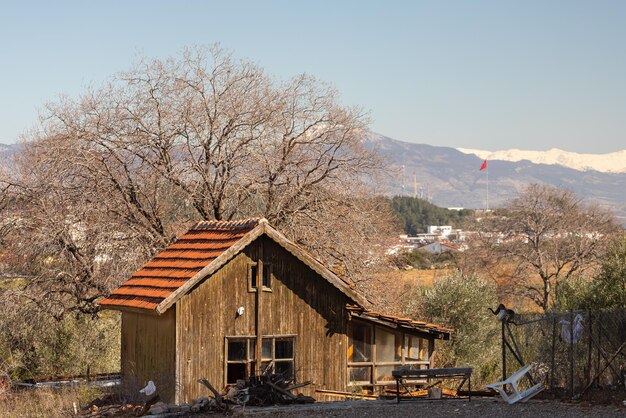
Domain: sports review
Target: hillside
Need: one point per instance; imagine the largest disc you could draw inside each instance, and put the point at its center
(450, 178)
(416, 214)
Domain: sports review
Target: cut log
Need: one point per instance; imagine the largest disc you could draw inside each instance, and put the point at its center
(345, 394)
(146, 406)
(206, 383)
(219, 401)
(281, 390)
(299, 385)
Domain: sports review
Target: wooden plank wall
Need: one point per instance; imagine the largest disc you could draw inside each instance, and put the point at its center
(149, 352)
(300, 303)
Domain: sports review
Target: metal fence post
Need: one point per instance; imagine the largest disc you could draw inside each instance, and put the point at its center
(553, 354)
(571, 352)
(589, 347)
(503, 352)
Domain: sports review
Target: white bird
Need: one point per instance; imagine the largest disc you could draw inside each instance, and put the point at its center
(149, 389)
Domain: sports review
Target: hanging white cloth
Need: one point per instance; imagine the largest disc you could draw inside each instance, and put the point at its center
(577, 328)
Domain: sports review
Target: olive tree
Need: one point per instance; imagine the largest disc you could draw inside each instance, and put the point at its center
(462, 303)
(608, 289)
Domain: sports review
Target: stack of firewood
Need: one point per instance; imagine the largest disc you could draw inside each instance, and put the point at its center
(266, 389)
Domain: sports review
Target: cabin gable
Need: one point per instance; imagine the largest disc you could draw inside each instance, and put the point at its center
(299, 305)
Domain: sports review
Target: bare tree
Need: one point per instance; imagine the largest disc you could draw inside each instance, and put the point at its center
(83, 219)
(540, 239)
(224, 133)
(113, 176)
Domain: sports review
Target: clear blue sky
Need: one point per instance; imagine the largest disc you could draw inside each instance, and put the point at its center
(481, 74)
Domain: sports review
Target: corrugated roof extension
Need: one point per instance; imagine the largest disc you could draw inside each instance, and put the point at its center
(398, 322)
(182, 260)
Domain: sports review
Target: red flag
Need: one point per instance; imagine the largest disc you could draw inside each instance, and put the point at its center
(483, 166)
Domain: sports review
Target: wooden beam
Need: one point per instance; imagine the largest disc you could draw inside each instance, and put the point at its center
(345, 394)
(129, 309)
(258, 310)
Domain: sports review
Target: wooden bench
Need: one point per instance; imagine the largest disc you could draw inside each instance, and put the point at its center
(463, 373)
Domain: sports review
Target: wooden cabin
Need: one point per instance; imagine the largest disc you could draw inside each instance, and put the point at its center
(229, 298)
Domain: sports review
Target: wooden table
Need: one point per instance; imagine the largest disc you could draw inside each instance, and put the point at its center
(463, 373)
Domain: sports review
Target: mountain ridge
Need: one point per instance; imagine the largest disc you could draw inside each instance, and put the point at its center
(451, 178)
(613, 162)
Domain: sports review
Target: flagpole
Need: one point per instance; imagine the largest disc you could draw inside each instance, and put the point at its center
(485, 167)
(487, 188)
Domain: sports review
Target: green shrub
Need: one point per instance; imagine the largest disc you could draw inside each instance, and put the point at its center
(608, 289)
(35, 345)
(575, 293)
(462, 303)
(421, 259)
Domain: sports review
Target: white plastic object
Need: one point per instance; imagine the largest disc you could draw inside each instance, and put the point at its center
(516, 395)
(149, 389)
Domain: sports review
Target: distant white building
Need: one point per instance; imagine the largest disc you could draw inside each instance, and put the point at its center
(420, 238)
(440, 247)
(443, 230)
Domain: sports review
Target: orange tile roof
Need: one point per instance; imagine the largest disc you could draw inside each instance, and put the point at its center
(449, 245)
(437, 330)
(179, 262)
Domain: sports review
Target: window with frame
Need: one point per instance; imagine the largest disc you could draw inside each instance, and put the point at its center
(277, 352)
(360, 352)
(265, 278)
(415, 348)
(392, 349)
(239, 358)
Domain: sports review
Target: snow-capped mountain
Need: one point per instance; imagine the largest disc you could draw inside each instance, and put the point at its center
(452, 178)
(614, 162)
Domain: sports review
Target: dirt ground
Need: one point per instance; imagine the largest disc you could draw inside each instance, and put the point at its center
(478, 408)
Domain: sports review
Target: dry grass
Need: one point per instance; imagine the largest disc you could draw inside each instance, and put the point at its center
(46, 403)
(424, 278)
(388, 288)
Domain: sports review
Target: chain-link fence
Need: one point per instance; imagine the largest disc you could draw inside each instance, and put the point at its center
(570, 351)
